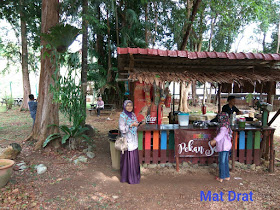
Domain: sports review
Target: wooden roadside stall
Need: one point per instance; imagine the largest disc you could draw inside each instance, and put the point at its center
(169, 143)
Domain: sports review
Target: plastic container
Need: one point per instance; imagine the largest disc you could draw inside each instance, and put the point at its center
(233, 119)
(183, 119)
(242, 122)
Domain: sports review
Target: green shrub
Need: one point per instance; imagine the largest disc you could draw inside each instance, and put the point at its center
(72, 134)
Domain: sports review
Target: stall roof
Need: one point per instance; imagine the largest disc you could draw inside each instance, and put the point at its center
(154, 65)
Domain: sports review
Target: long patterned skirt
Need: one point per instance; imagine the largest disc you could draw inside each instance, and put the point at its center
(130, 167)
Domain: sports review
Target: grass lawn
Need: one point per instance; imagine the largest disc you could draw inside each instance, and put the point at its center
(15, 126)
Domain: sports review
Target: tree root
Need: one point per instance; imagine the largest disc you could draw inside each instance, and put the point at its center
(29, 138)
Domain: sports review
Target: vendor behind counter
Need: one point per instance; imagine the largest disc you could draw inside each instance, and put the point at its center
(229, 108)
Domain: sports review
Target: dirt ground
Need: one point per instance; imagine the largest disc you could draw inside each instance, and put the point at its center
(95, 185)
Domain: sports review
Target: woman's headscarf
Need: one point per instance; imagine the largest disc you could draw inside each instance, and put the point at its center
(223, 120)
(129, 114)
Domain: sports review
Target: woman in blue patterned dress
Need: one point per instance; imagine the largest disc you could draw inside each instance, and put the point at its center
(129, 166)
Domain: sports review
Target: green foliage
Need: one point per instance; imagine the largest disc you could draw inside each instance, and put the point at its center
(9, 51)
(67, 89)
(61, 36)
(249, 97)
(9, 101)
(12, 12)
(72, 134)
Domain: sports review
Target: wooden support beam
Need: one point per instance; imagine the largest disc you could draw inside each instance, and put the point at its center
(271, 86)
(233, 150)
(272, 154)
(219, 98)
(274, 117)
(131, 62)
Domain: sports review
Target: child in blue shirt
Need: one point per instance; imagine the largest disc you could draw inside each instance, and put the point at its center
(32, 107)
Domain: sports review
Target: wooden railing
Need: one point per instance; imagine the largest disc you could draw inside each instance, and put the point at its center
(248, 146)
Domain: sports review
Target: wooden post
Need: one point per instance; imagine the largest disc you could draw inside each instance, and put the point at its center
(267, 140)
(163, 146)
(140, 146)
(271, 161)
(241, 146)
(249, 148)
(155, 146)
(177, 163)
(270, 91)
(219, 98)
(131, 86)
(257, 150)
(233, 151)
(263, 145)
(148, 147)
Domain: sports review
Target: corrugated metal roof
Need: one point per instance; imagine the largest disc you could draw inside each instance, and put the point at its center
(200, 55)
(153, 65)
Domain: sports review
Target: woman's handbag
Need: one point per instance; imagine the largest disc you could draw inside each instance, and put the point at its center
(121, 144)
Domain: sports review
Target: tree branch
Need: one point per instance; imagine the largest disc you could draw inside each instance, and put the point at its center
(188, 31)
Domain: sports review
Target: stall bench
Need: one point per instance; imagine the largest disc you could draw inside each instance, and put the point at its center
(108, 109)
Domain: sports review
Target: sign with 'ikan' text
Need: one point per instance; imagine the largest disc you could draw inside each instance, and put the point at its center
(194, 143)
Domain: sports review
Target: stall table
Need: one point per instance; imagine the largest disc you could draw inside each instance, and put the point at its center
(163, 143)
(204, 117)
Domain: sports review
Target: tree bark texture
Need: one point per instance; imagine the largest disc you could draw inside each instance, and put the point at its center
(146, 26)
(117, 25)
(194, 101)
(84, 57)
(219, 98)
(200, 36)
(213, 22)
(24, 61)
(47, 110)
(263, 43)
(209, 97)
(278, 40)
(156, 23)
(188, 30)
(185, 90)
(100, 40)
(204, 93)
(109, 75)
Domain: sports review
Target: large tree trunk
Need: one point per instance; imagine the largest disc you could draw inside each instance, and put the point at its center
(99, 40)
(84, 58)
(204, 93)
(146, 25)
(185, 40)
(117, 25)
(109, 75)
(200, 36)
(210, 94)
(184, 99)
(211, 36)
(194, 101)
(278, 40)
(47, 110)
(263, 43)
(156, 23)
(24, 61)
(188, 30)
